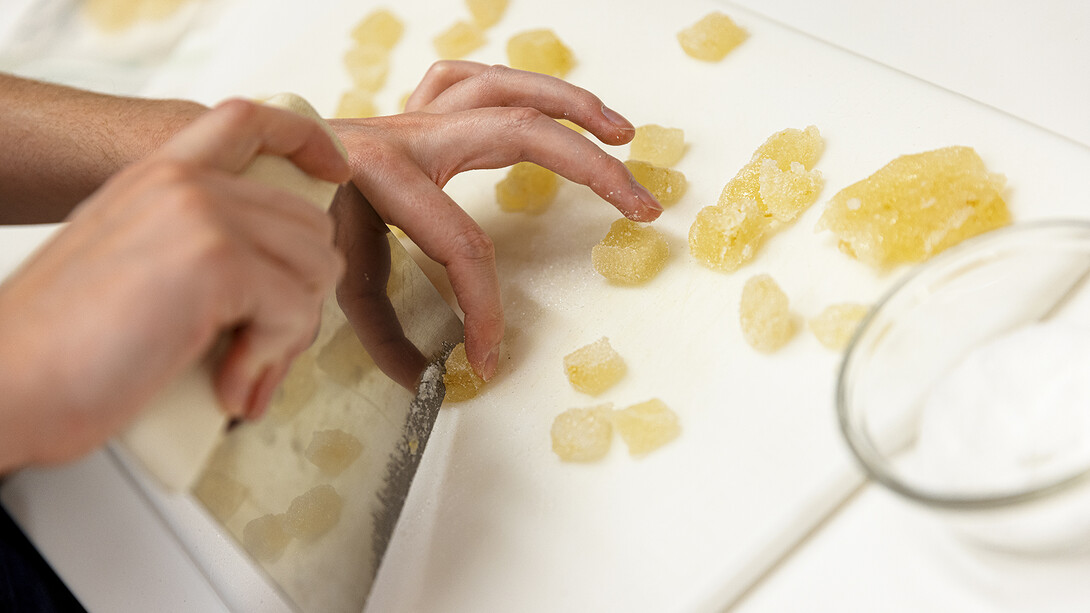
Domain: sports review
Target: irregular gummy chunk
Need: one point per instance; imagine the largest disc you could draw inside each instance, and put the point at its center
(459, 40)
(764, 314)
(665, 184)
(540, 51)
(835, 325)
(594, 368)
(220, 494)
(630, 254)
(296, 390)
(657, 145)
(461, 381)
(786, 194)
(344, 359)
(356, 103)
(265, 537)
(313, 513)
(711, 38)
(916, 206)
(646, 426)
(332, 451)
(724, 237)
(486, 13)
(582, 435)
(785, 148)
(528, 188)
(117, 15)
(380, 27)
(368, 66)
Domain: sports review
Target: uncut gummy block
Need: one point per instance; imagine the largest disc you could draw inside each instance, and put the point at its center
(765, 315)
(461, 382)
(646, 426)
(380, 27)
(582, 435)
(265, 537)
(835, 326)
(658, 145)
(486, 13)
(711, 38)
(459, 40)
(594, 368)
(916, 206)
(527, 188)
(332, 451)
(540, 51)
(313, 513)
(665, 184)
(630, 254)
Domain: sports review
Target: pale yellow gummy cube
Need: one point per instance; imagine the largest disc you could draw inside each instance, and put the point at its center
(631, 253)
(540, 51)
(594, 368)
(582, 435)
(711, 38)
(356, 103)
(835, 325)
(658, 145)
(332, 451)
(344, 359)
(459, 40)
(265, 537)
(379, 27)
(724, 237)
(486, 13)
(916, 206)
(765, 315)
(665, 184)
(646, 426)
(220, 494)
(313, 513)
(527, 188)
(461, 381)
(368, 66)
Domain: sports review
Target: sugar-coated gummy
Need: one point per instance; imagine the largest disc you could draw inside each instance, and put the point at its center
(332, 451)
(461, 381)
(265, 537)
(313, 513)
(835, 325)
(594, 368)
(582, 435)
(711, 38)
(631, 253)
(540, 51)
(380, 27)
(764, 314)
(459, 40)
(665, 184)
(527, 188)
(658, 145)
(646, 426)
(486, 13)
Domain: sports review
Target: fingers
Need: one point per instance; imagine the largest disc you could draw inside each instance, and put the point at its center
(362, 293)
(228, 138)
(445, 233)
(467, 85)
(494, 138)
(440, 76)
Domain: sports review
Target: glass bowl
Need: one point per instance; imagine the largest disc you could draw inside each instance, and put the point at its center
(967, 388)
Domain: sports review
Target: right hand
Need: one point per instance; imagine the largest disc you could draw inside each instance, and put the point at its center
(169, 254)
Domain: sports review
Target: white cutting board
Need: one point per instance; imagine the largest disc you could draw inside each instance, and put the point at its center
(494, 521)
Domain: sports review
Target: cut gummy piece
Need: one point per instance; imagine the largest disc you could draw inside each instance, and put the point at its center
(724, 237)
(658, 145)
(527, 188)
(582, 435)
(916, 206)
(313, 513)
(461, 381)
(459, 40)
(711, 38)
(356, 103)
(265, 537)
(380, 27)
(332, 451)
(368, 65)
(594, 368)
(631, 253)
(765, 315)
(646, 426)
(786, 194)
(540, 51)
(835, 325)
(486, 13)
(220, 494)
(665, 184)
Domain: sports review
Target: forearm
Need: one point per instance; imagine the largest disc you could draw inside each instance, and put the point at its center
(58, 144)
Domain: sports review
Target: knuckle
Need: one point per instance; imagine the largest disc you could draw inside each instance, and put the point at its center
(238, 110)
(523, 118)
(475, 246)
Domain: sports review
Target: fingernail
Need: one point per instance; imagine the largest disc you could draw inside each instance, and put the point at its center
(491, 364)
(646, 199)
(616, 119)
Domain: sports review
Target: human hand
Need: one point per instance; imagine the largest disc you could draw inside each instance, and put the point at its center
(169, 254)
(466, 116)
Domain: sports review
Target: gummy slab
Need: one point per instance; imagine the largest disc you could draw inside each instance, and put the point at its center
(495, 521)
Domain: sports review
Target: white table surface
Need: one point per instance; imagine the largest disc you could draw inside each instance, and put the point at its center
(876, 554)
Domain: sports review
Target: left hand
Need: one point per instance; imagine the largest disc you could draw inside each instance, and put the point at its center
(466, 116)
